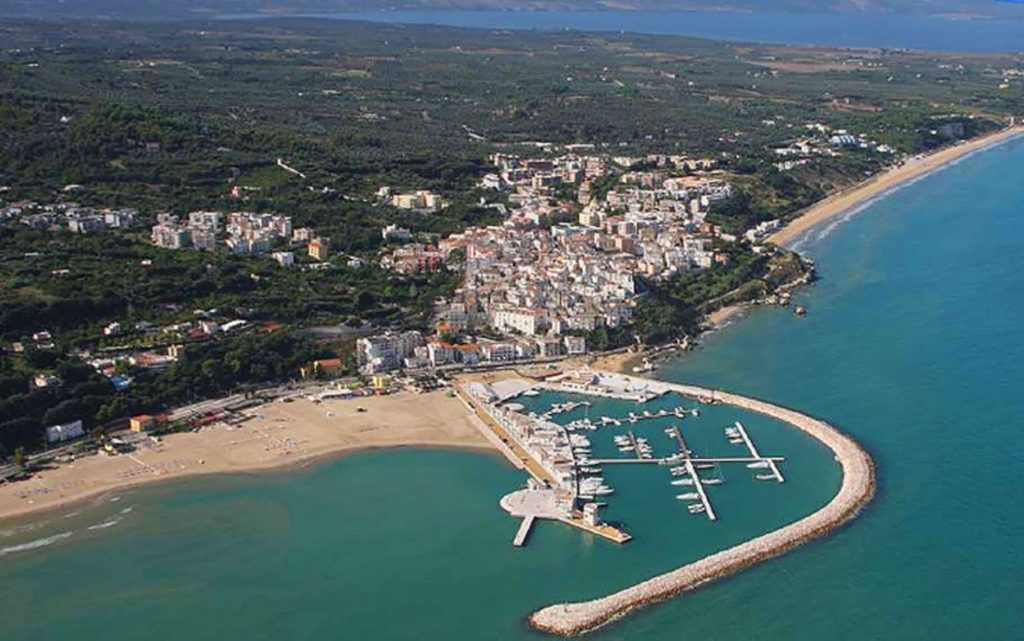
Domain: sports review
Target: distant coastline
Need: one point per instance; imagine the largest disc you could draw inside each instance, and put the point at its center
(799, 29)
(883, 183)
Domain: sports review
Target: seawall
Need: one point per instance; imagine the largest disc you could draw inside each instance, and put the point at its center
(856, 490)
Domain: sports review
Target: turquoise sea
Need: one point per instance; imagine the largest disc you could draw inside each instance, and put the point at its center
(912, 344)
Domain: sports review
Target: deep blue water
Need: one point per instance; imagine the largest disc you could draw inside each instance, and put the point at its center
(836, 30)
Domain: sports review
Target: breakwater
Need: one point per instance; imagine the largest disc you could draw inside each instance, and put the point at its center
(857, 488)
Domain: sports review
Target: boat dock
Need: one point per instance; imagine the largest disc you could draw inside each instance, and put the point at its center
(636, 447)
(523, 531)
(692, 470)
(696, 460)
(754, 453)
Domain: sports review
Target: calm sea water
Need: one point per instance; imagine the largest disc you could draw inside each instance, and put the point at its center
(912, 344)
(840, 30)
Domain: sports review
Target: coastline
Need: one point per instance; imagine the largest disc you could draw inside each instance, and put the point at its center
(882, 183)
(857, 489)
(276, 436)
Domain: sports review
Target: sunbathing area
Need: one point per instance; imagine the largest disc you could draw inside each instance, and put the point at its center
(268, 436)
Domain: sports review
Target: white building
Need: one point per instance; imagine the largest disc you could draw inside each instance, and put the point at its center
(284, 259)
(529, 322)
(386, 351)
(65, 432)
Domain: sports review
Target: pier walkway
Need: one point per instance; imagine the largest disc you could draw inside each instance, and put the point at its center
(523, 531)
(692, 470)
(695, 459)
(753, 452)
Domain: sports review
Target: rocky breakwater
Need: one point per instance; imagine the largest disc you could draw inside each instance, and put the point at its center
(858, 486)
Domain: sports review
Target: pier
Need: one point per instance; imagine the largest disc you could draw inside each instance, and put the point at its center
(523, 531)
(692, 470)
(697, 460)
(640, 456)
(754, 454)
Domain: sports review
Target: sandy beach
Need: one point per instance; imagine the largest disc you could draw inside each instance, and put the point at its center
(276, 435)
(846, 200)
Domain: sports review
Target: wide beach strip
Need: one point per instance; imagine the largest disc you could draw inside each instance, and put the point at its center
(846, 200)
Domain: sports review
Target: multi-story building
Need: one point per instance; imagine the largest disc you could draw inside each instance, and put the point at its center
(319, 249)
(386, 351)
(284, 259)
(170, 237)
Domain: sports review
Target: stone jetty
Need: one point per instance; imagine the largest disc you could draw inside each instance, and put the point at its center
(858, 486)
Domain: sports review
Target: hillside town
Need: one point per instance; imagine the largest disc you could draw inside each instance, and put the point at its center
(543, 281)
(76, 218)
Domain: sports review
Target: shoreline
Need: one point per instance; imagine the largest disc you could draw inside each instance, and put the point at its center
(276, 437)
(857, 488)
(885, 182)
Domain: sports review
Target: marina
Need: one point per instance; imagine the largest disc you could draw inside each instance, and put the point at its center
(858, 486)
(567, 483)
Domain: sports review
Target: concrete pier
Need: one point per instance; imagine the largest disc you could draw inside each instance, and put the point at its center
(523, 531)
(688, 461)
(856, 490)
(754, 454)
(696, 460)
